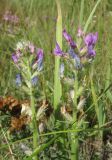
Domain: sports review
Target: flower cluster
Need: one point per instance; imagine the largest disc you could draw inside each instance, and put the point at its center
(9, 17)
(79, 54)
(28, 57)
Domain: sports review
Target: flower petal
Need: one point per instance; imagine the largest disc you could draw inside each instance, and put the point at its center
(57, 50)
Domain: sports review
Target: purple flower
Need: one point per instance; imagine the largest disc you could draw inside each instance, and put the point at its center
(18, 80)
(9, 17)
(91, 39)
(40, 59)
(66, 36)
(15, 58)
(34, 80)
(14, 19)
(76, 58)
(57, 50)
(91, 51)
(69, 39)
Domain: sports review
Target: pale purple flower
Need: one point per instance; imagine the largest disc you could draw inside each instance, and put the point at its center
(34, 80)
(15, 58)
(69, 39)
(62, 70)
(14, 19)
(91, 39)
(57, 50)
(18, 80)
(80, 32)
(40, 55)
(75, 57)
(9, 17)
(31, 47)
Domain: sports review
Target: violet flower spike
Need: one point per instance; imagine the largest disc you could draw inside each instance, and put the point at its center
(57, 50)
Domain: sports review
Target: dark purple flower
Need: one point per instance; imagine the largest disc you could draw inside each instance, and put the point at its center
(69, 39)
(34, 80)
(18, 80)
(57, 50)
(91, 39)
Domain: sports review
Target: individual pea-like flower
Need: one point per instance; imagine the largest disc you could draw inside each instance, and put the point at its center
(16, 56)
(76, 58)
(61, 70)
(6, 16)
(9, 17)
(18, 80)
(34, 80)
(40, 59)
(90, 41)
(57, 50)
(14, 19)
(69, 39)
(80, 32)
(31, 48)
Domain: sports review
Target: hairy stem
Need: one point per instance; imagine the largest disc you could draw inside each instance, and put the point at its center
(74, 137)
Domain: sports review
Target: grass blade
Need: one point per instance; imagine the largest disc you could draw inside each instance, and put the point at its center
(57, 84)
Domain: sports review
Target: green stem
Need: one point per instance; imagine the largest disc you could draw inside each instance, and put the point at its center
(34, 123)
(74, 137)
(32, 103)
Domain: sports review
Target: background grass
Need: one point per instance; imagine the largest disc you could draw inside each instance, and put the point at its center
(38, 24)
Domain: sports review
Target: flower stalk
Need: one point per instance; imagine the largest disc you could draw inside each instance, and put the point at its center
(74, 136)
(34, 122)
